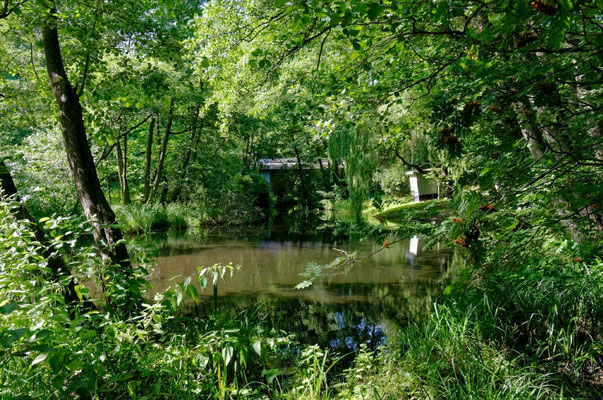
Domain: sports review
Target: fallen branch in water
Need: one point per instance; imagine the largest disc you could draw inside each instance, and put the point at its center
(314, 270)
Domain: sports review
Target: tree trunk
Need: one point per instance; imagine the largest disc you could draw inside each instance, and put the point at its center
(125, 191)
(162, 153)
(187, 158)
(196, 145)
(149, 156)
(90, 194)
(324, 171)
(120, 171)
(529, 130)
(302, 179)
(537, 147)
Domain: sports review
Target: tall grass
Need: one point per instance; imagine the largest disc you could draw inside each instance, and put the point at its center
(137, 218)
(533, 332)
(141, 218)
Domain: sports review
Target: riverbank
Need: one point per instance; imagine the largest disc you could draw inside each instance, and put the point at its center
(145, 218)
(391, 214)
(528, 335)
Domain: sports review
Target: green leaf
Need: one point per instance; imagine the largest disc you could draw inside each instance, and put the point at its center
(227, 353)
(8, 308)
(257, 347)
(303, 285)
(374, 11)
(186, 283)
(40, 358)
(89, 334)
(335, 19)
(191, 291)
(82, 291)
(202, 282)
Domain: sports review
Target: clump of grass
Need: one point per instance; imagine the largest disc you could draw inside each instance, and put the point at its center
(442, 356)
(141, 218)
(551, 312)
(177, 216)
(427, 209)
(530, 332)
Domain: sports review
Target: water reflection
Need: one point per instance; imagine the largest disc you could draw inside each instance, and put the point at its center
(358, 304)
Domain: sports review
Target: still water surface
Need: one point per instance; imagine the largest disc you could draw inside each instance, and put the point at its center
(361, 303)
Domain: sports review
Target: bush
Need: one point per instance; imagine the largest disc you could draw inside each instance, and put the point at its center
(392, 180)
(527, 328)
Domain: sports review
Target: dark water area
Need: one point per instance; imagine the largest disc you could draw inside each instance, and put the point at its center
(358, 303)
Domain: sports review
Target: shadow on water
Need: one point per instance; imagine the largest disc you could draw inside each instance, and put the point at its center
(361, 303)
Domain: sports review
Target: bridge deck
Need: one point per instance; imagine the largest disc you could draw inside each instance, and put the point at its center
(275, 164)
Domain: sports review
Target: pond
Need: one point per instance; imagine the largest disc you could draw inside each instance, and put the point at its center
(359, 303)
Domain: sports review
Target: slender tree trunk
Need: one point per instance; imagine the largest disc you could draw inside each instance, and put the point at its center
(120, 169)
(194, 155)
(196, 145)
(149, 157)
(162, 153)
(90, 194)
(302, 178)
(529, 130)
(334, 172)
(324, 173)
(245, 160)
(124, 173)
(164, 190)
(187, 158)
(55, 262)
(252, 152)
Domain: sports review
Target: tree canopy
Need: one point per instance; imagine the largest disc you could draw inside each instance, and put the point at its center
(162, 110)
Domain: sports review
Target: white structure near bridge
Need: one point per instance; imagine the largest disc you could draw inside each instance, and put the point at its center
(422, 188)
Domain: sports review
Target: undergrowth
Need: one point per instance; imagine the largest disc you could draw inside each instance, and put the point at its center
(142, 218)
(524, 329)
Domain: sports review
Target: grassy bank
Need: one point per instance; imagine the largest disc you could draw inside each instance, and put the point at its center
(521, 319)
(532, 334)
(141, 218)
(390, 214)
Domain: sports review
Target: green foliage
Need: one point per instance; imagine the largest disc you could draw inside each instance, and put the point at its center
(142, 218)
(392, 181)
(137, 218)
(503, 99)
(51, 349)
(42, 174)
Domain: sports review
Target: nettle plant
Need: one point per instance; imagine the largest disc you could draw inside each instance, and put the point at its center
(94, 347)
